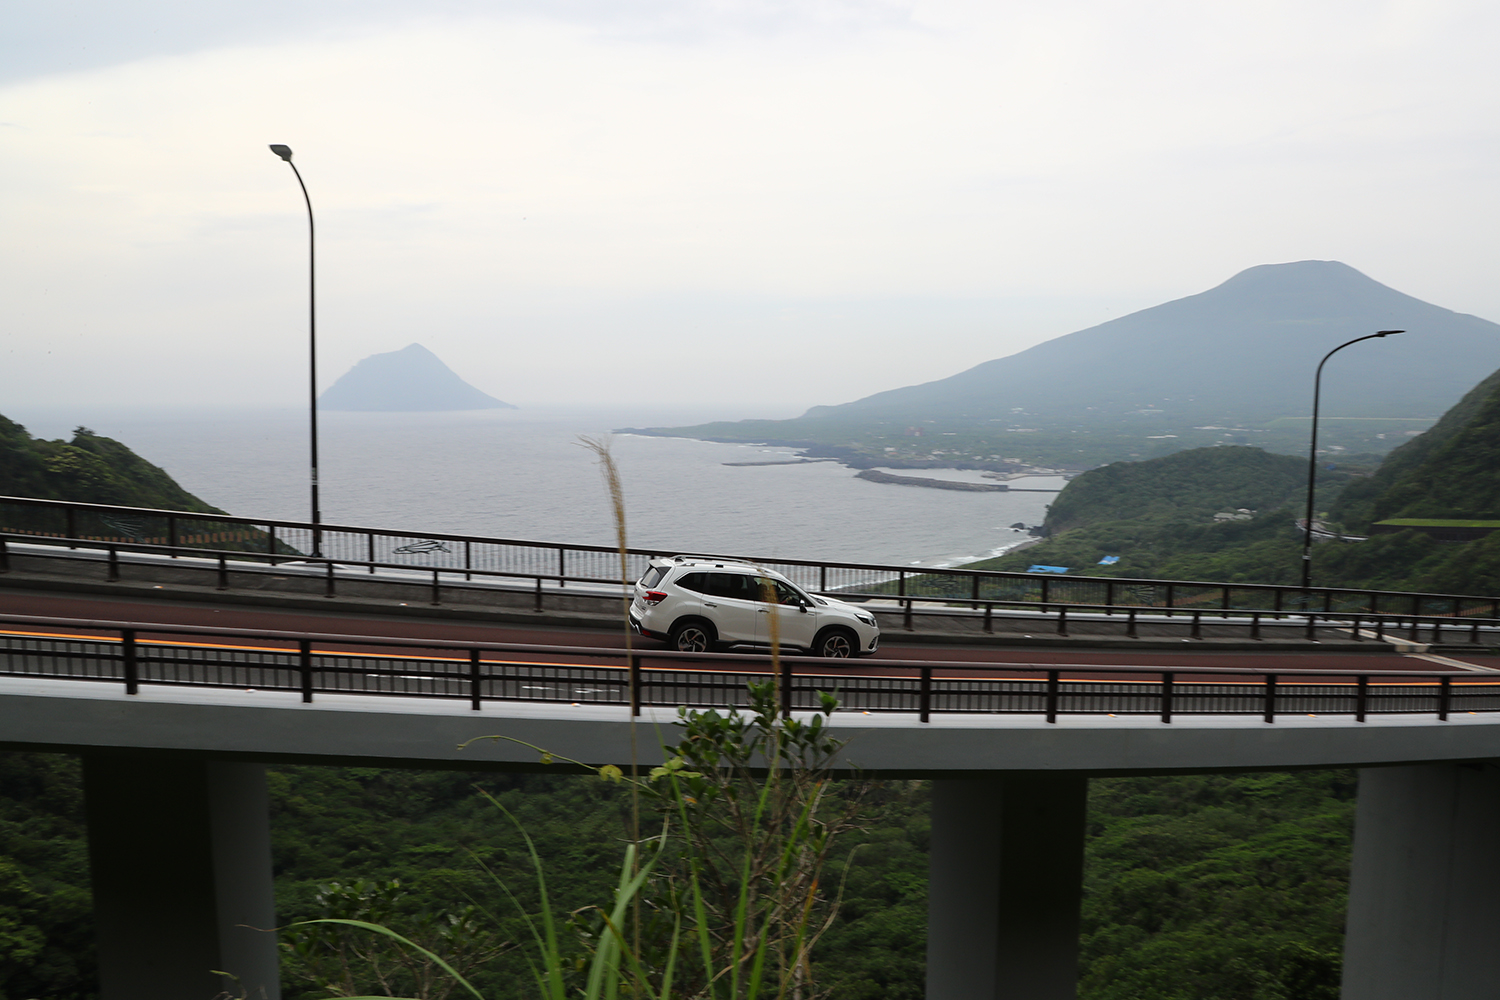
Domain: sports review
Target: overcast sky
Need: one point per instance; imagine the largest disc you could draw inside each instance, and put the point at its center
(758, 205)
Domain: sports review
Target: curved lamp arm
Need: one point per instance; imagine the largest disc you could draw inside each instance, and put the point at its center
(1312, 453)
(285, 152)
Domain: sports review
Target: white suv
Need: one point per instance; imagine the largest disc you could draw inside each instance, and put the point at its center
(696, 604)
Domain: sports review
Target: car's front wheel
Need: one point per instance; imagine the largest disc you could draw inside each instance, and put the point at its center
(836, 642)
(693, 637)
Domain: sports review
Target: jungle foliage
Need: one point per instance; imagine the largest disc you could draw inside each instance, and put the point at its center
(46, 918)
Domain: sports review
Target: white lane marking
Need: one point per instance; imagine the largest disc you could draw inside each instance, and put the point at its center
(1459, 664)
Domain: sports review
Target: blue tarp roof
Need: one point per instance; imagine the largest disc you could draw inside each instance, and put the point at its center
(1038, 568)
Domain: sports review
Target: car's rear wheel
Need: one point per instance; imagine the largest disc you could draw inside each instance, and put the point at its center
(693, 636)
(837, 643)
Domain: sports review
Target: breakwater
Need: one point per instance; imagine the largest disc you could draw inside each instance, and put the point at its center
(876, 476)
(780, 461)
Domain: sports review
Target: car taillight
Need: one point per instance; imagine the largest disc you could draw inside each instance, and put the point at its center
(654, 597)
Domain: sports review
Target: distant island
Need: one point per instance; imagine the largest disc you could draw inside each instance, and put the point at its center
(409, 380)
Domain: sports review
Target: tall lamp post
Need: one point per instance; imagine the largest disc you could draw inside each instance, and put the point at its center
(1312, 455)
(285, 152)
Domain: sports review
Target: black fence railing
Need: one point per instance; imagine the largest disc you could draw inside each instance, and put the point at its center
(133, 654)
(250, 542)
(1058, 618)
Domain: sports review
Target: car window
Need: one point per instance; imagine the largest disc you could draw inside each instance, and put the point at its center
(653, 576)
(735, 585)
(783, 594)
(698, 583)
(787, 594)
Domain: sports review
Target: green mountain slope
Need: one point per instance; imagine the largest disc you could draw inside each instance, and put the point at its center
(88, 469)
(1452, 471)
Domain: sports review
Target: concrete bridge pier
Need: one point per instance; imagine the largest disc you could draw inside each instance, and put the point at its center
(1424, 889)
(1005, 889)
(180, 855)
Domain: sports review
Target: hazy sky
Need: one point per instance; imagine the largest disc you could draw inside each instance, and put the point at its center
(756, 204)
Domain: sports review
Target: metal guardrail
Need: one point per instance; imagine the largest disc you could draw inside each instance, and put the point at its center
(133, 654)
(1381, 627)
(273, 541)
(246, 544)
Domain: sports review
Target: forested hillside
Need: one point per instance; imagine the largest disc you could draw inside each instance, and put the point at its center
(1188, 485)
(88, 469)
(1157, 516)
(1202, 886)
(1452, 471)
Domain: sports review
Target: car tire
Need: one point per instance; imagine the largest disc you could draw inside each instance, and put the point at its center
(693, 636)
(836, 643)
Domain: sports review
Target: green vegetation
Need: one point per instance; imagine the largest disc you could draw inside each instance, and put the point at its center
(745, 874)
(87, 469)
(1452, 471)
(343, 960)
(46, 918)
(1157, 517)
(95, 469)
(1265, 549)
(727, 900)
(1188, 485)
(1211, 886)
(1224, 886)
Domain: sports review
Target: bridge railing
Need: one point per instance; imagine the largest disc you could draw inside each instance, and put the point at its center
(250, 542)
(134, 654)
(1063, 619)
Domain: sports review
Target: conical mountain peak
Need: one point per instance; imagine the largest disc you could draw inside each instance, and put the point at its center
(411, 379)
(1242, 350)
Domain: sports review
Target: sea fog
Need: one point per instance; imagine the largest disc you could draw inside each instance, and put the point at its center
(525, 475)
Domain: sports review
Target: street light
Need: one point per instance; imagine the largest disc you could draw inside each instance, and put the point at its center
(1312, 455)
(285, 152)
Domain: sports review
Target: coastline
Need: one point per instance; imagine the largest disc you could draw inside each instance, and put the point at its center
(853, 458)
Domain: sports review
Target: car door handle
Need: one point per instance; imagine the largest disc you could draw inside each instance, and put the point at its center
(708, 605)
(763, 611)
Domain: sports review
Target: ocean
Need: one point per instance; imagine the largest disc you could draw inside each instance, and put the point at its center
(525, 475)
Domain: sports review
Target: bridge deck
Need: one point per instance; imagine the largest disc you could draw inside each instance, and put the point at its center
(415, 731)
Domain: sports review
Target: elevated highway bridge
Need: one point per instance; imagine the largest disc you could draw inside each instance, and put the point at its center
(178, 668)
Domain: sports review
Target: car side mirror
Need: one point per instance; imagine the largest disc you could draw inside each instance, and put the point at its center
(802, 605)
